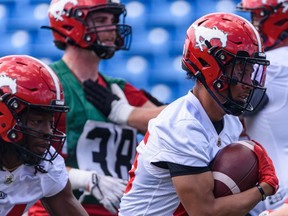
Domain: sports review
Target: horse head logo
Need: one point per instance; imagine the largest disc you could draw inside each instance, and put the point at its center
(285, 4)
(202, 33)
(6, 81)
(56, 9)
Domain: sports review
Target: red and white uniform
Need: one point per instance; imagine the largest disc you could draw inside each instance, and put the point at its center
(183, 134)
(21, 188)
(269, 126)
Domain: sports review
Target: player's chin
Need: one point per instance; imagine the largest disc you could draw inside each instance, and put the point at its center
(241, 102)
(39, 150)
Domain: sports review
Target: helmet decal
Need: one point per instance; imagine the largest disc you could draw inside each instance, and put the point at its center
(285, 6)
(9, 82)
(202, 34)
(56, 9)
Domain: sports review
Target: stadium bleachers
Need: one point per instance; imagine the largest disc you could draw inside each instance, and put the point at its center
(153, 62)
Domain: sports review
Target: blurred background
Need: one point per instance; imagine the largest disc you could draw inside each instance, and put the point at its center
(153, 61)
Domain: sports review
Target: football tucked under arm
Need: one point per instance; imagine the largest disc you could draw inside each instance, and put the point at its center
(235, 169)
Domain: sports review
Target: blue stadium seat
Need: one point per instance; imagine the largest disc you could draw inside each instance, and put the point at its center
(23, 16)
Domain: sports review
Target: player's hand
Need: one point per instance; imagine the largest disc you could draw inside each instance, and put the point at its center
(99, 96)
(266, 168)
(107, 190)
(112, 103)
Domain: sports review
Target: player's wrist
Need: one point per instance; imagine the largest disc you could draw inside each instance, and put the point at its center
(262, 192)
(79, 179)
(120, 112)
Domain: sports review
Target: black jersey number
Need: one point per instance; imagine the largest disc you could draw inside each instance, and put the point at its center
(127, 138)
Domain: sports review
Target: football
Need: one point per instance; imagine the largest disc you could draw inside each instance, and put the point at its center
(234, 168)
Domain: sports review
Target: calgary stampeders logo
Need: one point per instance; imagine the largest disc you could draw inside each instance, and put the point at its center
(57, 8)
(202, 33)
(285, 4)
(8, 82)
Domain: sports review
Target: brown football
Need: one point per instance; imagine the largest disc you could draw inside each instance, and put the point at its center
(234, 168)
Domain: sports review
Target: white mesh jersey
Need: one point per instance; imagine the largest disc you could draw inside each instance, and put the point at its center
(21, 188)
(183, 134)
(269, 126)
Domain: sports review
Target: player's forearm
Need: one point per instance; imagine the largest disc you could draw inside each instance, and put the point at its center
(232, 205)
(140, 117)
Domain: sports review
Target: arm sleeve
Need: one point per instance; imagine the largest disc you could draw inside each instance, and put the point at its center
(134, 96)
(180, 170)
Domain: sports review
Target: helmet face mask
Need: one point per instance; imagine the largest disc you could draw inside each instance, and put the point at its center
(223, 51)
(24, 101)
(75, 26)
(239, 69)
(115, 33)
(25, 135)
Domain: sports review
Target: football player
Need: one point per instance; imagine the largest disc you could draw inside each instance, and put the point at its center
(31, 104)
(106, 113)
(268, 125)
(224, 53)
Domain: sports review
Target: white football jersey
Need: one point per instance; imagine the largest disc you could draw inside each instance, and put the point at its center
(183, 134)
(21, 188)
(269, 126)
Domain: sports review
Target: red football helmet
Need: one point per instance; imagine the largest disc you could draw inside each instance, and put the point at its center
(270, 19)
(216, 46)
(68, 21)
(28, 84)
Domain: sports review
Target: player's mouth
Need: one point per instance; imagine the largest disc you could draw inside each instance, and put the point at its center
(109, 43)
(40, 149)
(243, 98)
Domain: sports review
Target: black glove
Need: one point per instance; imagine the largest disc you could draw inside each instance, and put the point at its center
(99, 96)
(152, 98)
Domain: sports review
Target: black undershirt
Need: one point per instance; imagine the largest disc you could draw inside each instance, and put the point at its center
(218, 125)
(179, 170)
